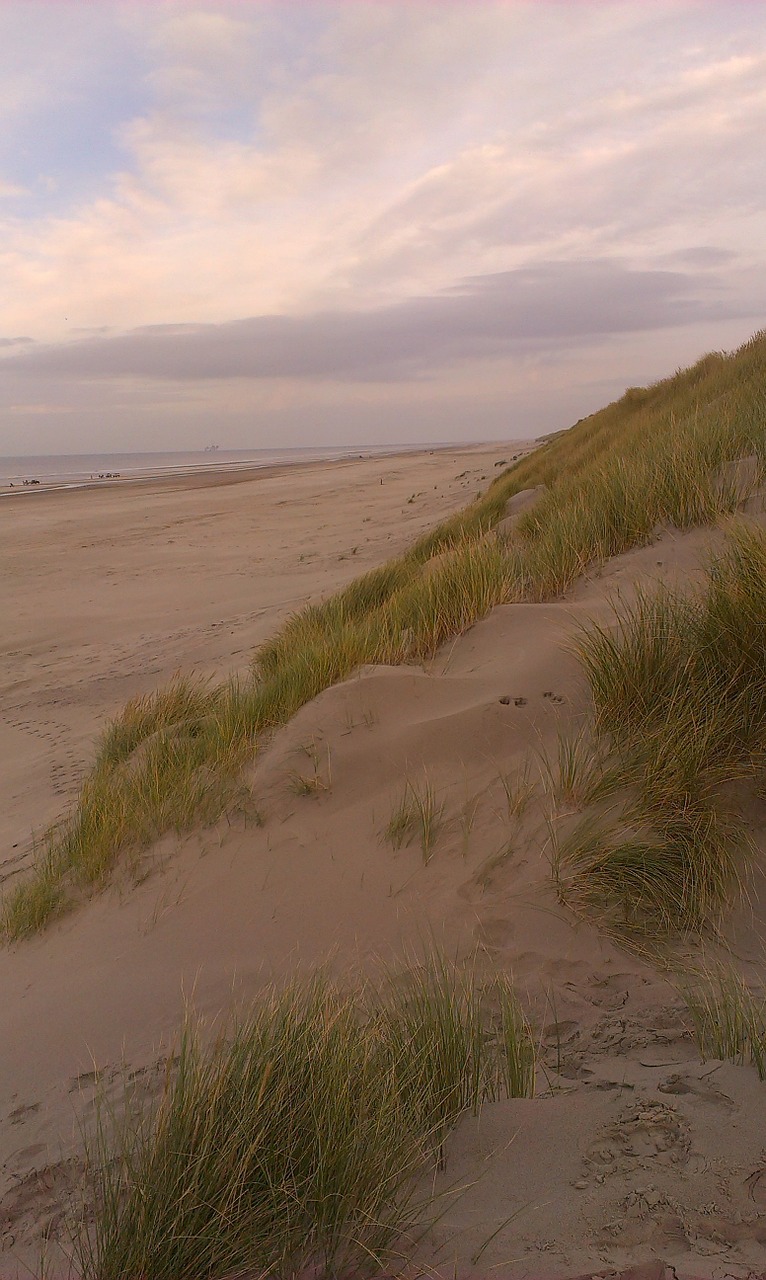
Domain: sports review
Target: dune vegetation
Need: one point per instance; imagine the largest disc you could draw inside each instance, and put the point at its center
(728, 1018)
(679, 690)
(290, 1145)
(656, 457)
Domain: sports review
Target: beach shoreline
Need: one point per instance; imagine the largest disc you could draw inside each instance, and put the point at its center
(206, 472)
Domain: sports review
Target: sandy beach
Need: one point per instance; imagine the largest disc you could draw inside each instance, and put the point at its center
(633, 1148)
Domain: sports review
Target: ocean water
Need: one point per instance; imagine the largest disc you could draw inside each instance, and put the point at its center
(76, 470)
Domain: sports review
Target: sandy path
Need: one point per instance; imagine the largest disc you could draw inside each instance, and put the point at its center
(108, 592)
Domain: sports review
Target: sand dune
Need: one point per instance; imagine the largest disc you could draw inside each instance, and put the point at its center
(633, 1149)
(109, 592)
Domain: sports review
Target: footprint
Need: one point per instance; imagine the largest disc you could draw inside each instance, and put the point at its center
(83, 1081)
(553, 697)
(607, 993)
(756, 1188)
(494, 933)
(36, 1201)
(680, 1085)
(19, 1115)
(647, 1134)
(560, 1032)
(25, 1154)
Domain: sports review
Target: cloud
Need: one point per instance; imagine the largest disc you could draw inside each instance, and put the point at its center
(43, 409)
(485, 317)
(292, 159)
(702, 256)
(628, 173)
(383, 191)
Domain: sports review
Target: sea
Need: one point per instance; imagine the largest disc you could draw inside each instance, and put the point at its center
(83, 470)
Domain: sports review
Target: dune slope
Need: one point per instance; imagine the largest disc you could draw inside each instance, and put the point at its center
(315, 877)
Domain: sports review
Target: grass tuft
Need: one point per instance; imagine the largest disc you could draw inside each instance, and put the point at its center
(418, 815)
(664, 877)
(729, 1020)
(518, 789)
(34, 904)
(290, 1145)
(578, 776)
(679, 687)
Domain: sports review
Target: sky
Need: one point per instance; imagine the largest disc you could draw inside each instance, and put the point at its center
(285, 223)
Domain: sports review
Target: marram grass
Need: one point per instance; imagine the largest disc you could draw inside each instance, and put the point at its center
(679, 688)
(655, 457)
(419, 815)
(728, 1018)
(290, 1144)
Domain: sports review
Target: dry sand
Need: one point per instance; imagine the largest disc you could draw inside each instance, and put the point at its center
(633, 1150)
